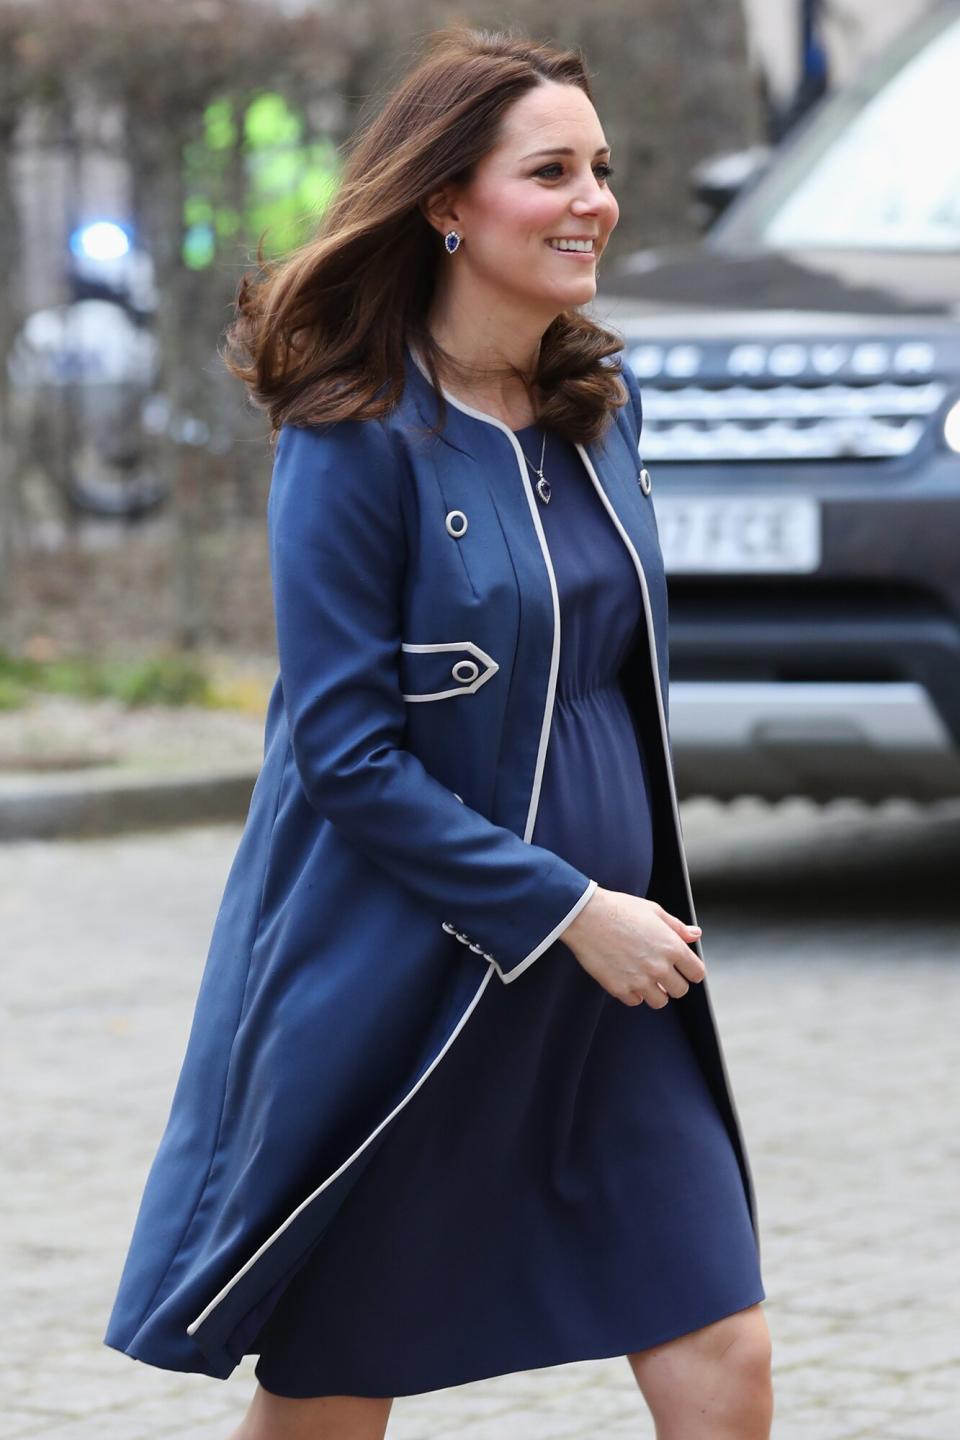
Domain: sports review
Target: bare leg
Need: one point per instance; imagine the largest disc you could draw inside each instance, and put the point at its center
(712, 1384)
(325, 1417)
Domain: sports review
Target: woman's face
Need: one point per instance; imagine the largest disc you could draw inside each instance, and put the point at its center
(546, 180)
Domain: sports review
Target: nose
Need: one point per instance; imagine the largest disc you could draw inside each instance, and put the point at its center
(596, 199)
(600, 203)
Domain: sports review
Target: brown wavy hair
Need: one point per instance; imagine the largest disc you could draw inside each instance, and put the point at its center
(318, 336)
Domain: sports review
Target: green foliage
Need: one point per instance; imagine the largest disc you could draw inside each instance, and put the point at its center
(287, 180)
(220, 132)
(13, 695)
(170, 678)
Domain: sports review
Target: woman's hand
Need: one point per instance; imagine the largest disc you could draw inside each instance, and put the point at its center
(633, 947)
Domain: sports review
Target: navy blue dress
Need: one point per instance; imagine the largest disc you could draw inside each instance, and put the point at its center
(562, 1187)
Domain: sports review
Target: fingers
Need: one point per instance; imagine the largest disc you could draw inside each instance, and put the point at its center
(666, 982)
(673, 983)
(675, 964)
(671, 980)
(688, 932)
(687, 961)
(668, 987)
(657, 990)
(689, 964)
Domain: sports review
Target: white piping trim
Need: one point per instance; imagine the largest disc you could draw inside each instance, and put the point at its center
(651, 637)
(531, 818)
(507, 975)
(463, 688)
(555, 654)
(652, 642)
(349, 1160)
(528, 831)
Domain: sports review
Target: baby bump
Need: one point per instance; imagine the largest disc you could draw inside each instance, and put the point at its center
(594, 806)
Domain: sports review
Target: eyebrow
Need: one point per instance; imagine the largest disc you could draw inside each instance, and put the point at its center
(562, 150)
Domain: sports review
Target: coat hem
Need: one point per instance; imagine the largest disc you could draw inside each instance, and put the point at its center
(221, 1295)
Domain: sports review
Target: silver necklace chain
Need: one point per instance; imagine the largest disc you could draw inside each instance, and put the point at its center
(543, 484)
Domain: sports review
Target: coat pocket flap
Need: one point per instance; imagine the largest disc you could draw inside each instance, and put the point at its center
(441, 670)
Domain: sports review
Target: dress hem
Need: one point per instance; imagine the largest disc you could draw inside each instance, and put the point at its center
(670, 1333)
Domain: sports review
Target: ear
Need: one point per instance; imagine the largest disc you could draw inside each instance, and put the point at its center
(439, 209)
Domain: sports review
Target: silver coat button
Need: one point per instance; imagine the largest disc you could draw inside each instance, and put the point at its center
(456, 523)
(646, 485)
(465, 671)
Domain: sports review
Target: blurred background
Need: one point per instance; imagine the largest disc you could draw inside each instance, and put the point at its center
(786, 276)
(784, 273)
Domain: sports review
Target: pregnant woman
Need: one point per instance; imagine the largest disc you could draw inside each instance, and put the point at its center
(454, 1101)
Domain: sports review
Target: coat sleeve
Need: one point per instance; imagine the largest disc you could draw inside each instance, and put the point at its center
(338, 559)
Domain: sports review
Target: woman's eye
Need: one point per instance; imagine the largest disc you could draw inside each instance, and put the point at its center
(604, 170)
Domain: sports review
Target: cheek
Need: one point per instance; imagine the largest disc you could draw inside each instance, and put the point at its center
(511, 218)
(536, 214)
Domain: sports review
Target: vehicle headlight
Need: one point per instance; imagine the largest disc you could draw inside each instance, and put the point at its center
(951, 427)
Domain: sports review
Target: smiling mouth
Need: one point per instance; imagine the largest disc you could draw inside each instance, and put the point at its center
(570, 249)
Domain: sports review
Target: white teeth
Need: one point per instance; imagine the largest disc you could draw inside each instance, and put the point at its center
(586, 245)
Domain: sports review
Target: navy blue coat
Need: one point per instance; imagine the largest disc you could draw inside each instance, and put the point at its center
(385, 873)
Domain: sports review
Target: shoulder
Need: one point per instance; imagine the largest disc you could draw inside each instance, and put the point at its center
(383, 441)
(318, 447)
(631, 411)
(343, 476)
(633, 388)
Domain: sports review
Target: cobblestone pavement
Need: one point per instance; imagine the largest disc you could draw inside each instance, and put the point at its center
(831, 941)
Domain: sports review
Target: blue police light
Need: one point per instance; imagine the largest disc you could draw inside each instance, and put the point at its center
(101, 240)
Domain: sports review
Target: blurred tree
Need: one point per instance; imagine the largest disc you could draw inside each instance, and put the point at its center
(16, 84)
(225, 111)
(229, 115)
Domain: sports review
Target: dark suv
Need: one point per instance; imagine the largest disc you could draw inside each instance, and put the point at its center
(800, 374)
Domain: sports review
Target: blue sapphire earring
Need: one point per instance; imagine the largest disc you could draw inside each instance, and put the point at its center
(452, 241)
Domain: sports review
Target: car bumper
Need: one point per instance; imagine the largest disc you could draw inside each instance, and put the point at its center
(841, 682)
(824, 740)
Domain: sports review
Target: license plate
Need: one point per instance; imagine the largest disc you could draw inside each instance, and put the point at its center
(738, 534)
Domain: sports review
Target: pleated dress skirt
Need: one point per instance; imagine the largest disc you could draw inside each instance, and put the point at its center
(562, 1186)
